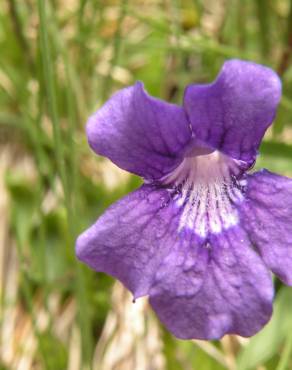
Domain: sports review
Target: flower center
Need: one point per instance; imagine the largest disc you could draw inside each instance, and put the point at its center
(207, 187)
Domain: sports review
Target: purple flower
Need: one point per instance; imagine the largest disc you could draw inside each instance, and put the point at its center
(201, 234)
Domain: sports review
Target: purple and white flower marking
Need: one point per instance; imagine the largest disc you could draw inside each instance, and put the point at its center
(207, 186)
(201, 235)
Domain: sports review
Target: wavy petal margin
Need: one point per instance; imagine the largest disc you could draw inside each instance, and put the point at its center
(233, 113)
(139, 133)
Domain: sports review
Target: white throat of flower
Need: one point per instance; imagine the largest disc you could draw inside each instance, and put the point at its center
(207, 188)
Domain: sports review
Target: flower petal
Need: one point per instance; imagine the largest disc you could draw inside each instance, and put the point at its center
(139, 133)
(267, 217)
(233, 113)
(206, 291)
(131, 238)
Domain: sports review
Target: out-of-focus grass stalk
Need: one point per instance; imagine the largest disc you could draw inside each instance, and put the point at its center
(51, 96)
(73, 228)
(73, 85)
(287, 48)
(35, 134)
(264, 26)
(88, 26)
(190, 43)
(27, 123)
(177, 34)
(18, 29)
(276, 149)
(157, 24)
(28, 298)
(81, 291)
(285, 359)
(176, 24)
(116, 49)
(199, 5)
(80, 16)
(287, 103)
(72, 178)
(241, 23)
(201, 44)
(74, 95)
(40, 191)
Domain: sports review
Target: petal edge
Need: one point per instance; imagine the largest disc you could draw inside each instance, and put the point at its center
(232, 113)
(139, 133)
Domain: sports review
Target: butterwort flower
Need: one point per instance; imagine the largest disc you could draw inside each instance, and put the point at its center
(201, 236)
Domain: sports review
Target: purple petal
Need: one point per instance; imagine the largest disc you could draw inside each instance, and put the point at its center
(206, 291)
(267, 217)
(139, 133)
(131, 238)
(233, 113)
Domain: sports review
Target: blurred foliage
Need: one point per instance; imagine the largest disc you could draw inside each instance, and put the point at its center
(60, 60)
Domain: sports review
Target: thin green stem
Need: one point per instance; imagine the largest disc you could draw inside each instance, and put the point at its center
(178, 51)
(264, 27)
(189, 43)
(287, 50)
(176, 27)
(51, 93)
(84, 319)
(116, 50)
(285, 360)
(28, 297)
(18, 30)
(241, 23)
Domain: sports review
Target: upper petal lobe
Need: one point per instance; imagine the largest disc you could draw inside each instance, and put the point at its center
(267, 217)
(206, 291)
(233, 113)
(139, 133)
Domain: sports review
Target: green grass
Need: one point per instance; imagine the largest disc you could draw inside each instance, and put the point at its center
(60, 60)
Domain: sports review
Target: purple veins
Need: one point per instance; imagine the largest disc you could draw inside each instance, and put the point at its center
(201, 235)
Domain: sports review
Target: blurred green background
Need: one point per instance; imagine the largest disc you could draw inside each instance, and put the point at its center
(59, 61)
